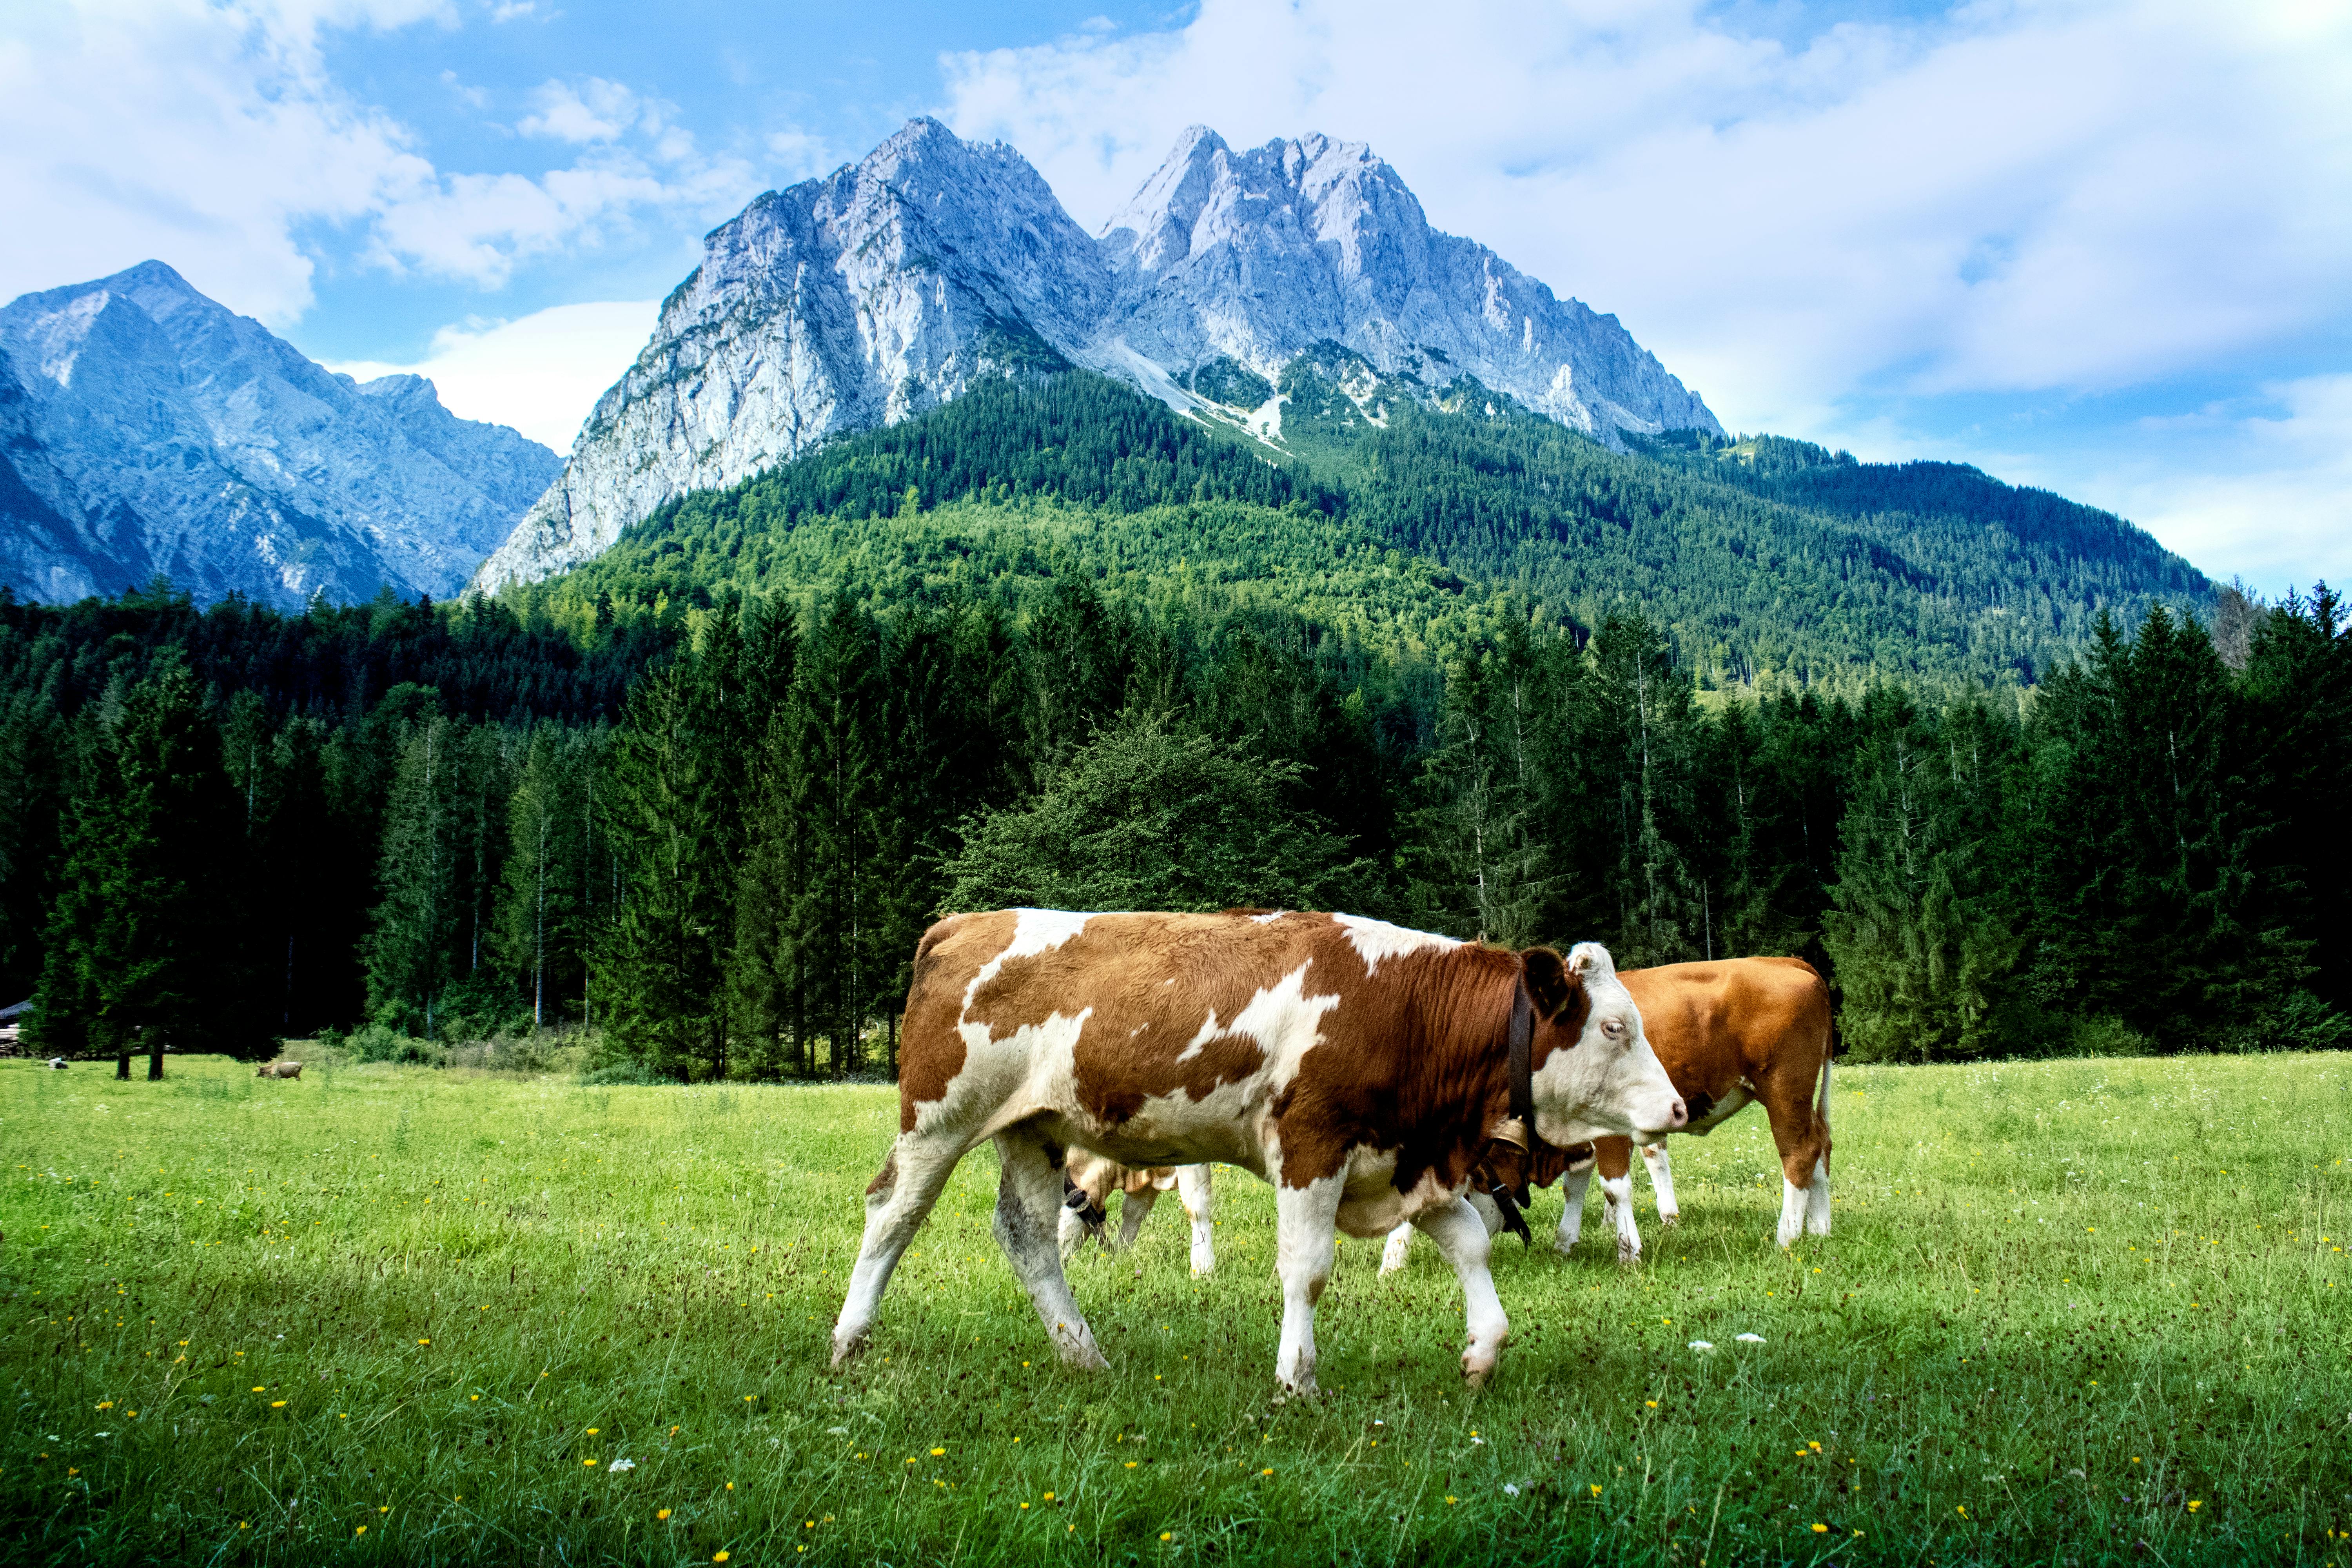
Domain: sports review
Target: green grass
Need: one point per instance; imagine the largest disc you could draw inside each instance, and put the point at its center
(2070, 1299)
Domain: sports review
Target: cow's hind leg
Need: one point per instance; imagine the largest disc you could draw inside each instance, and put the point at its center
(1571, 1218)
(1801, 1131)
(1198, 1195)
(1027, 1199)
(1614, 1157)
(1661, 1181)
(1400, 1246)
(1462, 1236)
(1303, 1218)
(1133, 1210)
(896, 1204)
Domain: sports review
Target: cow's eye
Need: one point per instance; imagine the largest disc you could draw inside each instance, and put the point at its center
(1613, 1029)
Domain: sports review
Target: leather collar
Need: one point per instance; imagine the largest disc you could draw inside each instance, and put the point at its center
(1519, 1042)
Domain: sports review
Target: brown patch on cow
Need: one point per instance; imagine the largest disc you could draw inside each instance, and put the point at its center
(930, 1049)
(887, 1177)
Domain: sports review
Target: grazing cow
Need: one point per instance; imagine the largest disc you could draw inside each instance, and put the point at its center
(1728, 1032)
(1357, 1067)
(1090, 1180)
(280, 1069)
(58, 1063)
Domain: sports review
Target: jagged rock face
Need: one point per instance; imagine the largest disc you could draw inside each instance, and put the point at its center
(1257, 256)
(146, 428)
(855, 301)
(888, 287)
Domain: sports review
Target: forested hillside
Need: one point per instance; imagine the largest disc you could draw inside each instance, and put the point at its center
(1055, 645)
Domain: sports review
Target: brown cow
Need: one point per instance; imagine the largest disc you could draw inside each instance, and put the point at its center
(1091, 1179)
(1359, 1068)
(1728, 1032)
(280, 1069)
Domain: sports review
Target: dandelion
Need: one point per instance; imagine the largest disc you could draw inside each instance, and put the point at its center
(1167, 1535)
(593, 1430)
(718, 1557)
(1596, 1491)
(1049, 1497)
(1267, 1471)
(425, 1342)
(1451, 1499)
(257, 1388)
(361, 1531)
(1651, 1403)
(589, 1462)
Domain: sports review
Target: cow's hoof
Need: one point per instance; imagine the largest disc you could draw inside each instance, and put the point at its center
(1304, 1390)
(1477, 1366)
(1628, 1255)
(1084, 1357)
(1669, 1217)
(1203, 1265)
(845, 1350)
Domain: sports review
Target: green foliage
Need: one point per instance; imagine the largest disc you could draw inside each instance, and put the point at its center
(1146, 818)
(141, 953)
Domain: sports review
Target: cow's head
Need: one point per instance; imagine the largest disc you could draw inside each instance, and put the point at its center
(1594, 1075)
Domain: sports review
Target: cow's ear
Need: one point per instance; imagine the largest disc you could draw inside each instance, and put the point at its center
(1589, 962)
(1551, 984)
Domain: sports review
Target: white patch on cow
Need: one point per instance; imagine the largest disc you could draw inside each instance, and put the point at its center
(1817, 1199)
(1268, 918)
(1792, 1213)
(1376, 940)
(1490, 1213)
(1033, 932)
(1661, 1181)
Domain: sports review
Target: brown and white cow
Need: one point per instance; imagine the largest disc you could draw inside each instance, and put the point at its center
(1357, 1067)
(1091, 1179)
(1728, 1032)
(280, 1069)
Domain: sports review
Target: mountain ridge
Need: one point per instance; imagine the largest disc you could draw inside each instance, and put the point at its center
(147, 429)
(896, 283)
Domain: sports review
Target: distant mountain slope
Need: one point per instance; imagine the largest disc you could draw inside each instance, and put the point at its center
(933, 265)
(1399, 537)
(145, 428)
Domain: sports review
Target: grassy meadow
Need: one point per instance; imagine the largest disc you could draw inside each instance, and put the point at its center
(2073, 1312)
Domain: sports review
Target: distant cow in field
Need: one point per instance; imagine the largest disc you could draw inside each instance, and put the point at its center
(60, 1063)
(1359, 1068)
(1091, 1179)
(1727, 1032)
(280, 1069)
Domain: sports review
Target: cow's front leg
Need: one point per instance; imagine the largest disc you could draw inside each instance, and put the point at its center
(1027, 1199)
(1400, 1246)
(1661, 1181)
(1304, 1219)
(1195, 1192)
(897, 1202)
(1462, 1236)
(1617, 1204)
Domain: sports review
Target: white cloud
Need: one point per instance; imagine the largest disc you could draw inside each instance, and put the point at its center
(801, 154)
(2021, 195)
(590, 110)
(540, 373)
(2271, 498)
(211, 136)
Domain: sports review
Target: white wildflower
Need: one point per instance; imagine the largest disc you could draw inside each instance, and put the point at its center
(1510, 1488)
(1749, 1338)
(619, 1467)
(1704, 1347)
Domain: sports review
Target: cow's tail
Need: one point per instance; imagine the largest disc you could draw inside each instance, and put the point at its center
(1822, 1103)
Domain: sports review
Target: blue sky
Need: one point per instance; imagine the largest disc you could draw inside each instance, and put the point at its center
(2103, 246)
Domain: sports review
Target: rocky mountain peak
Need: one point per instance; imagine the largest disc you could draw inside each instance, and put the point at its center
(148, 428)
(890, 285)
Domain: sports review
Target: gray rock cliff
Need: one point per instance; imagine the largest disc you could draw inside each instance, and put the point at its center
(146, 428)
(890, 286)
